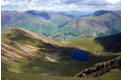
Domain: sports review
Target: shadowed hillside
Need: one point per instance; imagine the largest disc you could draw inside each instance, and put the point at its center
(110, 43)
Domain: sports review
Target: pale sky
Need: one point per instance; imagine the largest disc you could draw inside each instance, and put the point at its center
(61, 5)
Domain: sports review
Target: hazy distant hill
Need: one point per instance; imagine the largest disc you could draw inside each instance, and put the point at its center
(62, 25)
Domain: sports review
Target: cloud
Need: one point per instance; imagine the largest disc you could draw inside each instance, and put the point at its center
(61, 5)
(113, 1)
(3, 2)
(71, 1)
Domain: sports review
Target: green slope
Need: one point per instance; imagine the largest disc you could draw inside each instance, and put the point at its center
(112, 75)
(27, 52)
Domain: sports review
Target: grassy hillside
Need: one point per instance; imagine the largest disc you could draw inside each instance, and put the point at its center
(30, 53)
(23, 76)
(114, 74)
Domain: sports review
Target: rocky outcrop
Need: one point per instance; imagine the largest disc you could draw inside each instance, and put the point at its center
(101, 68)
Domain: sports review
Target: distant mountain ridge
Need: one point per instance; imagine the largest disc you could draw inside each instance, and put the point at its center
(101, 12)
(37, 13)
(62, 25)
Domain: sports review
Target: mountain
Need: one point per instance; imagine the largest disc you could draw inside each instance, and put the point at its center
(75, 14)
(24, 52)
(94, 26)
(7, 17)
(35, 23)
(37, 13)
(101, 12)
(61, 26)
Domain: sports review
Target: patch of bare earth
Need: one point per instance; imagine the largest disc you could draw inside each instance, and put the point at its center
(25, 48)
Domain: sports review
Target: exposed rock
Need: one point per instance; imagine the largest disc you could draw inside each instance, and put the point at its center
(101, 68)
(51, 59)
